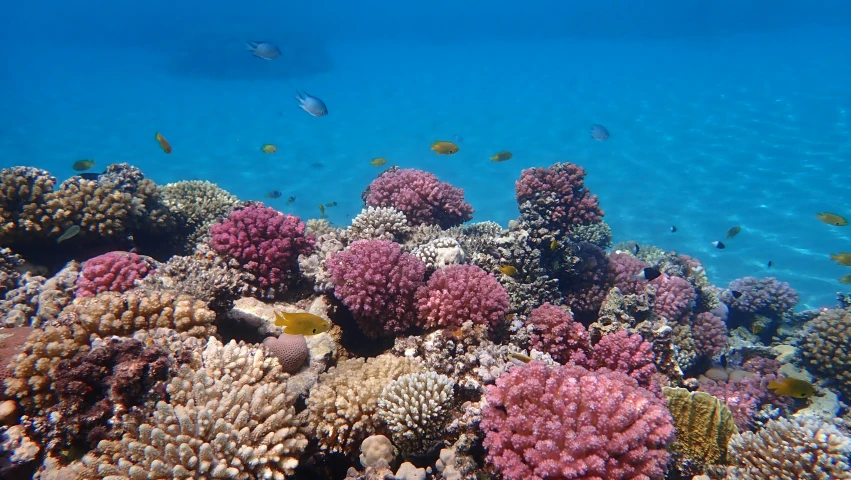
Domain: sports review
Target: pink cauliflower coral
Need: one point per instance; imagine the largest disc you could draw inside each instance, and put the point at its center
(622, 352)
(423, 198)
(264, 241)
(570, 423)
(378, 282)
(558, 195)
(622, 270)
(111, 272)
(674, 297)
(709, 333)
(459, 293)
(555, 332)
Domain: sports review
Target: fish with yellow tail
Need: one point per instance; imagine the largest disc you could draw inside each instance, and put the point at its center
(832, 219)
(792, 387)
(301, 323)
(444, 148)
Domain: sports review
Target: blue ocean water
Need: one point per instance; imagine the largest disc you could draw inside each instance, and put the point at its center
(720, 115)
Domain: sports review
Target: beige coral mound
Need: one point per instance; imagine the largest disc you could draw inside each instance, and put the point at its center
(801, 448)
(344, 404)
(198, 204)
(415, 408)
(228, 416)
(826, 348)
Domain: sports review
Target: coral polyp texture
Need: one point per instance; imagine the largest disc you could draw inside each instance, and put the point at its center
(378, 282)
(459, 293)
(264, 241)
(568, 422)
(419, 195)
(111, 272)
(415, 408)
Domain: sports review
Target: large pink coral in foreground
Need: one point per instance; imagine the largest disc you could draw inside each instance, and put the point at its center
(264, 241)
(558, 195)
(377, 281)
(459, 293)
(571, 423)
(423, 198)
(111, 272)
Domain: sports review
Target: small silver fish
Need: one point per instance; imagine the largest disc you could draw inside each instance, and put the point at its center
(71, 232)
(599, 132)
(264, 50)
(311, 104)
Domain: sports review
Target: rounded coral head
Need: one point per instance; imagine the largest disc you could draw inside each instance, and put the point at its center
(459, 293)
(111, 272)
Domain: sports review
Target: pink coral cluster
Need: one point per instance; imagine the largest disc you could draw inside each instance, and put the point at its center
(555, 332)
(744, 395)
(709, 333)
(459, 293)
(111, 272)
(622, 352)
(264, 241)
(378, 282)
(674, 295)
(423, 198)
(567, 422)
(558, 194)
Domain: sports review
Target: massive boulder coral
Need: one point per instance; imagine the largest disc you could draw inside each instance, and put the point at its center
(567, 422)
(554, 331)
(228, 416)
(766, 296)
(800, 448)
(265, 242)
(704, 425)
(423, 198)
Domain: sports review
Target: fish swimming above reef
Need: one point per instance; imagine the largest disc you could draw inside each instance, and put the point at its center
(733, 231)
(269, 148)
(83, 165)
(509, 270)
(846, 279)
(719, 245)
(274, 194)
(311, 104)
(163, 143)
(501, 157)
(264, 50)
(648, 274)
(832, 219)
(841, 258)
(301, 323)
(291, 200)
(792, 387)
(599, 132)
(442, 147)
(377, 162)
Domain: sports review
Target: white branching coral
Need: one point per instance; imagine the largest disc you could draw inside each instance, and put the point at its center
(343, 405)
(800, 448)
(379, 223)
(415, 408)
(229, 416)
(440, 252)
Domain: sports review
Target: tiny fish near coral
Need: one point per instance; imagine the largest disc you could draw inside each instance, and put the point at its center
(301, 323)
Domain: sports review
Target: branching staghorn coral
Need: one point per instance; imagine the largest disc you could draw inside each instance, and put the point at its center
(416, 407)
(344, 404)
(228, 416)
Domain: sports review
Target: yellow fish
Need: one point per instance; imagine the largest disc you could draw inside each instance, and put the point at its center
(842, 258)
(301, 323)
(792, 387)
(83, 165)
(508, 270)
(501, 157)
(555, 245)
(832, 219)
(845, 279)
(322, 210)
(444, 148)
(269, 148)
(377, 162)
(733, 231)
(519, 358)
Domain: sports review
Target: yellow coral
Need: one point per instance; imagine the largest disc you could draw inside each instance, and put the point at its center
(704, 424)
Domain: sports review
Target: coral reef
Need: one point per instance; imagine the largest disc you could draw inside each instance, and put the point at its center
(111, 272)
(459, 293)
(569, 422)
(377, 281)
(800, 448)
(621, 352)
(379, 223)
(197, 205)
(704, 425)
(440, 252)
(709, 333)
(419, 195)
(38, 300)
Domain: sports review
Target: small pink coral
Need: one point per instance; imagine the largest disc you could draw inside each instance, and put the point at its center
(622, 270)
(744, 395)
(377, 281)
(111, 272)
(423, 198)
(558, 195)
(709, 333)
(459, 293)
(264, 241)
(570, 423)
(290, 350)
(674, 297)
(555, 332)
(622, 352)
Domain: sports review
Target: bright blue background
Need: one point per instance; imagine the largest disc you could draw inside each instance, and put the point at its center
(735, 113)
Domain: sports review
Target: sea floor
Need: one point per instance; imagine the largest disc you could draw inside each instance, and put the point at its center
(705, 135)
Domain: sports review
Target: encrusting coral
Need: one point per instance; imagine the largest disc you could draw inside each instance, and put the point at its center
(228, 416)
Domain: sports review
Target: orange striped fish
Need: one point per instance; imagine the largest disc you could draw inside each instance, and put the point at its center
(163, 143)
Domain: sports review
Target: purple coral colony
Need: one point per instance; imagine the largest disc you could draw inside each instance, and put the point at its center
(145, 346)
